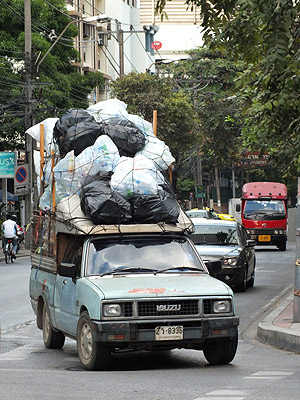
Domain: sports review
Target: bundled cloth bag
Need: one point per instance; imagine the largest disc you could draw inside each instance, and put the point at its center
(101, 204)
(76, 130)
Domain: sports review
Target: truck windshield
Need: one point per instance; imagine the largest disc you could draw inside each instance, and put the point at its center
(264, 210)
(141, 255)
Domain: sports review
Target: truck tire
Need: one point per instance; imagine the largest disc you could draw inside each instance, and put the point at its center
(52, 339)
(93, 356)
(282, 246)
(221, 352)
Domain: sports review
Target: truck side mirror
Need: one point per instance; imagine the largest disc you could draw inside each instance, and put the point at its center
(68, 270)
(214, 267)
(238, 208)
(250, 243)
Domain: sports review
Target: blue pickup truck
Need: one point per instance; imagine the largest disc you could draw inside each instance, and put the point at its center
(135, 287)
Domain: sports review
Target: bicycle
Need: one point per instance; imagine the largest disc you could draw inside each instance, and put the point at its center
(8, 251)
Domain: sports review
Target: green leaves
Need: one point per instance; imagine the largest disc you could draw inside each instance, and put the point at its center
(57, 87)
(177, 120)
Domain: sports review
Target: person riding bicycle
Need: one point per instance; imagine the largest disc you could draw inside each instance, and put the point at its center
(9, 230)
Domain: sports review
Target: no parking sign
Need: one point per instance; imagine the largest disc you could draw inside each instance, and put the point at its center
(21, 181)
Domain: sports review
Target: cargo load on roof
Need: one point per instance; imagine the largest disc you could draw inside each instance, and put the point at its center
(109, 163)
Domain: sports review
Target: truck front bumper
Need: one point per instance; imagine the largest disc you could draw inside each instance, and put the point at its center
(144, 331)
(274, 239)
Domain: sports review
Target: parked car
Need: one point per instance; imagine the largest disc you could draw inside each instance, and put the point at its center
(226, 241)
(204, 213)
(227, 217)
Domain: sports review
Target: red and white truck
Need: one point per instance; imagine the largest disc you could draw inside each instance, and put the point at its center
(264, 212)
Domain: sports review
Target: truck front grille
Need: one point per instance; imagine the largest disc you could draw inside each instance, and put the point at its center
(127, 310)
(207, 307)
(168, 307)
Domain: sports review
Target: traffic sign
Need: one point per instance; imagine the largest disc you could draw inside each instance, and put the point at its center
(21, 181)
(7, 164)
(21, 174)
(156, 45)
(21, 190)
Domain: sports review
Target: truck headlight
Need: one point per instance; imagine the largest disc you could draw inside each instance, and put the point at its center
(112, 310)
(276, 232)
(222, 306)
(232, 261)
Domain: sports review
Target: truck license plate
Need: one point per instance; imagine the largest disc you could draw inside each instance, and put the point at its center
(264, 238)
(169, 333)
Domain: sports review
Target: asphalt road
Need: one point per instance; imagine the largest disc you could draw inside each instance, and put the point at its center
(28, 370)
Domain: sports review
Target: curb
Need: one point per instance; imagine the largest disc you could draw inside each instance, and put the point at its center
(282, 338)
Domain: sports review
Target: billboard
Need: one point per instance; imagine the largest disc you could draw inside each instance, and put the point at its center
(8, 161)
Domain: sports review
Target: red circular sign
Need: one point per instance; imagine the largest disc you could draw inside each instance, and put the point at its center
(156, 45)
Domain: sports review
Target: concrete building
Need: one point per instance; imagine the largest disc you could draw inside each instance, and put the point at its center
(178, 33)
(115, 44)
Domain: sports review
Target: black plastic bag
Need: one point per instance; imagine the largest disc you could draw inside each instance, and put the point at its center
(120, 121)
(129, 140)
(103, 205)
(101, 175)
(76, 130)
(151, 209)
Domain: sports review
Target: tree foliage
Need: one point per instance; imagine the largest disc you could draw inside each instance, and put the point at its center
(57, 85)
(208, 78)
(177, 120)
(265, 34)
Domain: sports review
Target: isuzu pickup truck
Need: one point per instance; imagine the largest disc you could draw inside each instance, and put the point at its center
(127, 287)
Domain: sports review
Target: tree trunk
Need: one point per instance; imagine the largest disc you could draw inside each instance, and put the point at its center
(217, 180)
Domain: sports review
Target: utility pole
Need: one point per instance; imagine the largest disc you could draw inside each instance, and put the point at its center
(296, 308)
(28, 104)
(120, 37)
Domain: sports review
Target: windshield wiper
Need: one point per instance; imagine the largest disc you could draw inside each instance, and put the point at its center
(179, 269)
(129, 269)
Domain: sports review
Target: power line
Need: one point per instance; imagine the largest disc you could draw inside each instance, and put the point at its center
(110, 61)
(142, 44)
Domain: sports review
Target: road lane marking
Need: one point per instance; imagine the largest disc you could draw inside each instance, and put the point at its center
(225, 394)
(269, 375)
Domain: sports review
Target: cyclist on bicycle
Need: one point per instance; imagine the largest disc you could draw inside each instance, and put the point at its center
(9, 229)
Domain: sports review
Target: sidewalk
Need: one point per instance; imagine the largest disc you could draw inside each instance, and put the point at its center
(278, 329)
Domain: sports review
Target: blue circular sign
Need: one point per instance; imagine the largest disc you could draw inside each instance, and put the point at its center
(21, 175)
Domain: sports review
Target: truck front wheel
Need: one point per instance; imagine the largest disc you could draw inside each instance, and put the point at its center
(282, 246)
(52, 339)
(92, 355)
(222, 352)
